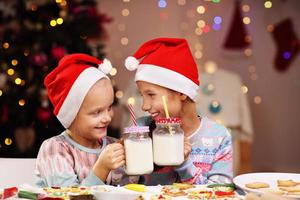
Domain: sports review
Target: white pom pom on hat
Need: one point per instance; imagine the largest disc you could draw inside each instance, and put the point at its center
(106, 66)
(131, 63)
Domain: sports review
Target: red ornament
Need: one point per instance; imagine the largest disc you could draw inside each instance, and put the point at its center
(43, 115)
(58, 52)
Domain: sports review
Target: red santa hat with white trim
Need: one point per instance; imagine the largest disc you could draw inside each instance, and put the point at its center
(167, 62)
(68, 84)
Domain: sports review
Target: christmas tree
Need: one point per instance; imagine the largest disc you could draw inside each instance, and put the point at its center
(34, 35)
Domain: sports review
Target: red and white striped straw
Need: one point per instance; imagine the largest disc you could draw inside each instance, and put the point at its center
(133, 118)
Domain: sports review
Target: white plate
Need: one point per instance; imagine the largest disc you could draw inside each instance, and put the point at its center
(103, 192)
(270, 178)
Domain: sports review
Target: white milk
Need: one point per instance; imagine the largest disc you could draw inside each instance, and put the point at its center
(168, 149)
(139, 156)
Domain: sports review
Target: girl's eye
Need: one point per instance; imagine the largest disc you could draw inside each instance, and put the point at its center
(97, 112)
(151, 94)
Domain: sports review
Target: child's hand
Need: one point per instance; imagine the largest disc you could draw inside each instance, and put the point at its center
(112, 157)
(187, 148)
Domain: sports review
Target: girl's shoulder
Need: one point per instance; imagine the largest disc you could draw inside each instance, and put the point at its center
(212, 128)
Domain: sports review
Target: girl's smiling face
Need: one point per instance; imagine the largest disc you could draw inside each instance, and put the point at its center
(152, 100)
(94, 114)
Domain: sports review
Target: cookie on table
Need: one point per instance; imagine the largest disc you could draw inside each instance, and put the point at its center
(287, 183)
(257, 185)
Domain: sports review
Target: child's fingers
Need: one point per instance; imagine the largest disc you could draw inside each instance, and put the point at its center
(119, 152)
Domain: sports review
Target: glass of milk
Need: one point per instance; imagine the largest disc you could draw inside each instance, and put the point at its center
(138, 150)
(168, 142)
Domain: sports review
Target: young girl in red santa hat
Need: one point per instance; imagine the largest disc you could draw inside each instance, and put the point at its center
(82, 96)
(167, 68)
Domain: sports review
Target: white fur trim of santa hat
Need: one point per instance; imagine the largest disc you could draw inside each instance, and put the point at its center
(77, 93)
(167, 78)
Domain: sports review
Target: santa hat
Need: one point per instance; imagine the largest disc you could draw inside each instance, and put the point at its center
(167, 62)
(70, 81)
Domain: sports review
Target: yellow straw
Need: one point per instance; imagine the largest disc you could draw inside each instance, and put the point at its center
(165, 106)
(166, 111)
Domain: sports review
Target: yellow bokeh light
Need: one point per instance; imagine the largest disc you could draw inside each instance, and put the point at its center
(124, 41)
(210, 67)
(131, 100)
(126, 0)
(113, 71)
(52, 22)
(21, 102)
(201, 9)
(248, 52)
(119, 94)
(198, 31)
(1, 93)
(210, 87)
(64, 3)
(244, 89)
(14, 62)
(201, 23)
(257, 100)
(246, 20)
(5, 45)
(59, 20)
(125, 12)
(8, 141)
(246, 8)
(10, 71)
(18, 81)
(58, 1)
(268, 4)
(198, 54)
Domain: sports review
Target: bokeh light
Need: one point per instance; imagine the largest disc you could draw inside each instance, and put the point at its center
(268, 4)
(125, 12)
(244, 89)
(113, 71)
(124, 41)
(257, 100)
(201, 9)
(218, 20)
(119, 94)
(162, 4)
(246, 8)
(131, 100)
(246, 20)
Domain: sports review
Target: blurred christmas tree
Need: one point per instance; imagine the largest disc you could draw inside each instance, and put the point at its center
(34, 35)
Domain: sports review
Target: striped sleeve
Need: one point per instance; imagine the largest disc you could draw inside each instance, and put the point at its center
(55, 167)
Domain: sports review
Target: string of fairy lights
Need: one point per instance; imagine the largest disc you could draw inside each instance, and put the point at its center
(201, 27)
